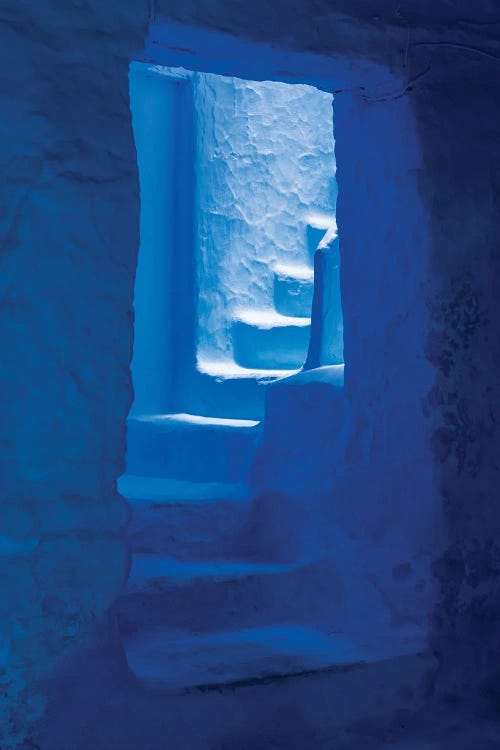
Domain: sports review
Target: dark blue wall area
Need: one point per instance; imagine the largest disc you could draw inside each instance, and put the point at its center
(401, 513)
(460, 185)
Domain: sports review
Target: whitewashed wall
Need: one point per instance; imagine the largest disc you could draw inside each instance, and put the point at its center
(265, 161)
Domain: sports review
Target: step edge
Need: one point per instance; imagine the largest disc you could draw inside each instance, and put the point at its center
(222, 572)
(267, 320)
(173, 496)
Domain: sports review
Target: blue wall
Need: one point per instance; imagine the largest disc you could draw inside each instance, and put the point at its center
(415, 104)
(154, 101)
(265, 167)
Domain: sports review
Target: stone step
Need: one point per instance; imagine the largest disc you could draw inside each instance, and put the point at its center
(293, 290)
(190, 447)
(168, 662)
(190, 520)
(265, 339)
(224, 388)
(209, 596)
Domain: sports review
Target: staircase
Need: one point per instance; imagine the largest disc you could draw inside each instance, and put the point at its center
(200, 612)
(277, 339)
(199, 609)
(268, 344)
(206, 606)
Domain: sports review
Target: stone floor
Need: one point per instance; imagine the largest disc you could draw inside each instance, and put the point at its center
(97, 704)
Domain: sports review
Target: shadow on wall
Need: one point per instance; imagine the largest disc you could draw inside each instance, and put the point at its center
(456, 105)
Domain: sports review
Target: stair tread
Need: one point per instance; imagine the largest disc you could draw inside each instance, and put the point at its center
(266, 319)
(230, 369)
(139, 489)
(149, 567)
(190, 421)
(291, 271)
(189, 660)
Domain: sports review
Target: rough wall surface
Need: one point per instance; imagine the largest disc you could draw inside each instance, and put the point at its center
(69, 236)
(459, 124)
(265, 162)
(69, 226)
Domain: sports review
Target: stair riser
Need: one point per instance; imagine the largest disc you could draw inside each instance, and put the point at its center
(232, 398)
(197, 454)
(204, 605)
(187, 531)
(282, 347)
(293, 296)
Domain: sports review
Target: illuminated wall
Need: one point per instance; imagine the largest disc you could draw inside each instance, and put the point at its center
(265, 164)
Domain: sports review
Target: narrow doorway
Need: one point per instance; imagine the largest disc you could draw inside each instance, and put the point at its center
(237, 191)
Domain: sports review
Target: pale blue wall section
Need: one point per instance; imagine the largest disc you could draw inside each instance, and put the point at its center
(265, 164)
(153, 103)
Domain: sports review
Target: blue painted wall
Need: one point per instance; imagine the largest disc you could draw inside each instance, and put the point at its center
(155, 102)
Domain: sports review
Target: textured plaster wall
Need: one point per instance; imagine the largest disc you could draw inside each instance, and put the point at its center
(421, 366)
(265, 162)
(459, 123)
(433, 353)
(68, 236)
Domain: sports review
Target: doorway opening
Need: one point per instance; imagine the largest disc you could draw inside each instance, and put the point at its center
(243, 556)
(238, 192)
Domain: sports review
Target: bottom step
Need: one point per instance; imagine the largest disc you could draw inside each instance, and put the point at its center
(175, 663)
